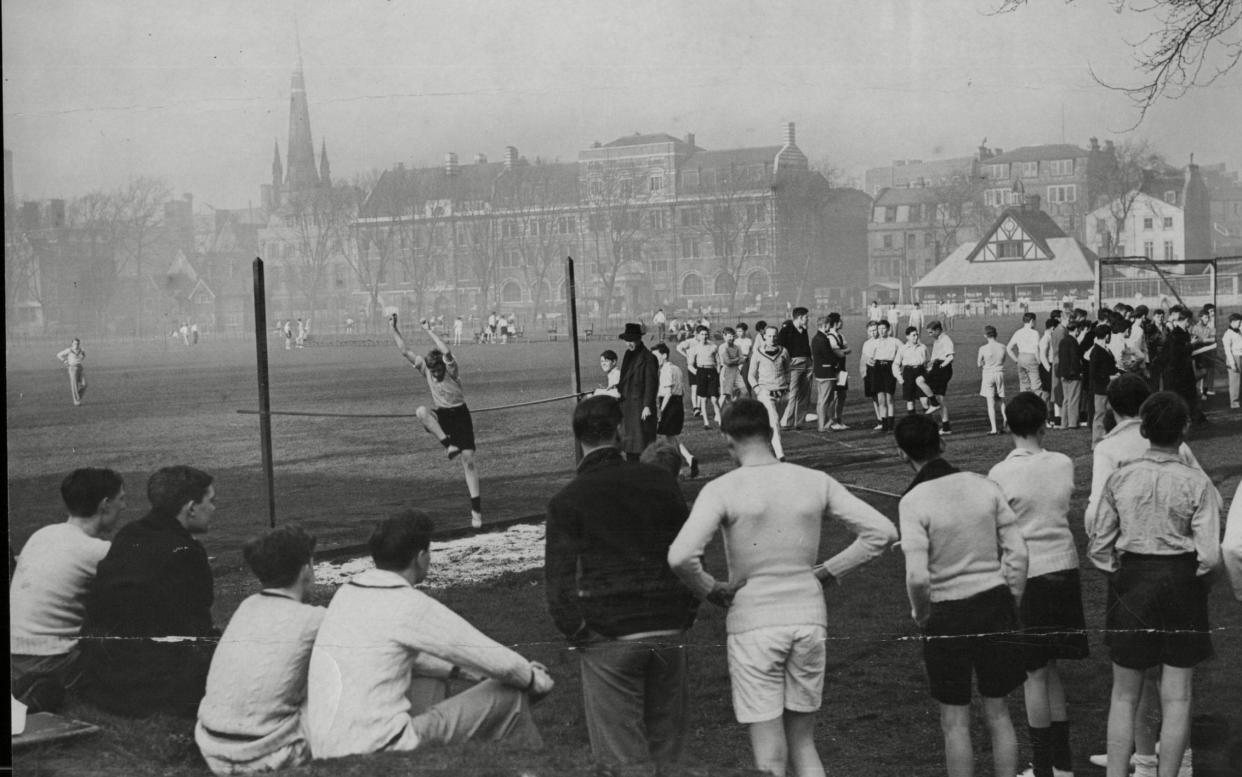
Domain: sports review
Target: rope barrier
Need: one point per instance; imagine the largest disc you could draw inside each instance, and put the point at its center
(408, 415)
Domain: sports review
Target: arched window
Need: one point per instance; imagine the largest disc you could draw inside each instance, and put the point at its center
(511, 292)
(545, 291)
(724, 283)
(757, 282)
(561, 290)
(692, 285)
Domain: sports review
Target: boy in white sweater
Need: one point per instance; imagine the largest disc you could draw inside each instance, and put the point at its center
(966, 563)
(1038, 484)
(47, 596)
(770, 514)
(250, 719)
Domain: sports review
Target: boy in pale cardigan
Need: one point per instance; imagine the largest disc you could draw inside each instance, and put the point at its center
(1038, 484)
(770, 514)
(966, 564)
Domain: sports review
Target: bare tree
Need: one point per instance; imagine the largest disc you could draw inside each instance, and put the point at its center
(21, 272)
(1195, 43)
(614, 230)
(1117, 183)
(139, 206)
(372, 246)
(736, 222)
(480, 234)
(537, 226)
(959, 212)
(318, 221)
(97, 217)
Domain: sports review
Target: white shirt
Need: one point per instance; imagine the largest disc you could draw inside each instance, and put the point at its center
(1038, 487)
(47, 595)
(942, 349)
(376, 632)
(72, 357)
(1027, 341)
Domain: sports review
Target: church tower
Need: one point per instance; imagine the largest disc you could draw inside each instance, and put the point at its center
(325, 173)
(300, 173)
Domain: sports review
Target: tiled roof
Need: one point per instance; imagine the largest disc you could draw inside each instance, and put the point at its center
(903, 196)
(1038, 154)
(473, 182)
(638, 140)
(1071, 262)
(1038, 225)
(731, 156)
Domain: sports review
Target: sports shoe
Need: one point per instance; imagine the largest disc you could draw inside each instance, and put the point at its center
(698, 413)
(694, 469)
(1030, 772)
(453, 452)
(946, 429)
(931, 409)
(476, 521)
(878, 427)
(837, 426)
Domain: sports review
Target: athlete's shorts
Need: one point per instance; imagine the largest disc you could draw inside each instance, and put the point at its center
(910, 390)
(1053, 626)
(993, 384)
(731, 383)
(777, 668)
(973, 638)
(707, 380)
(457, 425)
(1157, 612)
(883, 381)
(938, 378)
(673, 418)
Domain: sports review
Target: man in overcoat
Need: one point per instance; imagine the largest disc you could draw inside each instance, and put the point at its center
(640, 378)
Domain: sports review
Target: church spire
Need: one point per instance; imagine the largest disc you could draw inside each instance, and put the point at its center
(300, 173)
(325, 175)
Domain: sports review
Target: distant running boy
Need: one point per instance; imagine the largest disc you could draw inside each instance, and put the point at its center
(1157, 537)
(770, 514)
(730, 358)
(966, 563)
(1038, 484)
(991, 361)
(449, 420)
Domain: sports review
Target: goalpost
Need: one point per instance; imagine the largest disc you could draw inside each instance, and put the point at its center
(1161, 283)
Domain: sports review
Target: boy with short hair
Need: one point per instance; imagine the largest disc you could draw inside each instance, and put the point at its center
(706, 374)
(1102, 365)
(1038, 484)
(940, 373)
(449, 418)
(991, 361)
(1157, 536)
(865, 359)
(771, 514)
(1023, 348)
(73, 358)
(910, 367)
(47, 593)
(670, 407)
(250, 720)
(1068, 371)
(883, 377)
(730, 358)
(966, 563)
(612, 374)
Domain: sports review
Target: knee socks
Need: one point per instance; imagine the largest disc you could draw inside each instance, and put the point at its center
(1061, 757)
(1041, 751)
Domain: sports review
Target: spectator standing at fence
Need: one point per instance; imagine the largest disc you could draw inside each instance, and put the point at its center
(770, 515)
(1102, 365)
(966, 564)
(1231, 343)
(47, 593)
(1203, 335)
(251, 718)
(1157, 537)
(916, 317)
(1068, 370)
(74, 359)
(154, 582)
(1038, 484)
(613, 596)
(660, 323)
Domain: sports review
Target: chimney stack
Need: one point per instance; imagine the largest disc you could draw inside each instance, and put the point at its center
(480, 158)
(790, 139)
(450, 164)
(690, 140)
(1095, 144)
(511, 157)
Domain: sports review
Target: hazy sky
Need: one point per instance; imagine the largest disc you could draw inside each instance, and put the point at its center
(98, 91)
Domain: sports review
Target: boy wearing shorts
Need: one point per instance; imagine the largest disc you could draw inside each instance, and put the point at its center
(962, 590)
(883, 377)
(939, 373)
(730, 358)
(1157, 537)
(865, 358)
(910, 369)
(770, 514)
(991, 361)
(670, 407)
(1038, 484)
(706, 374)
(449, 421)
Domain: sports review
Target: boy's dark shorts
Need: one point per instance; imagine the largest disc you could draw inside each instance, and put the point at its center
(909, 388)
(457, 425)
(1053, 626)
(975, 637)
(938, 378)
(1157, 612)
(707, 381)
(883, 381)
(868, 389)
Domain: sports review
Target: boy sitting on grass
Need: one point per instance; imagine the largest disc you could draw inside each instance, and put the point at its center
(1038, 484)
(966, 563)
(250, 720)
(771, 514)
(1157, 536)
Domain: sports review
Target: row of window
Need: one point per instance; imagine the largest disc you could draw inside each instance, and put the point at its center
(1050, 168)
(655, 220)
(999, 198)
(892, 268)
(1149, 222)
(929, 240)
(692, 285)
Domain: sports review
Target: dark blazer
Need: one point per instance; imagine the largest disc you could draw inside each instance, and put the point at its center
(154, 582)
(1069, 359)
(796, 341)
(824, 362)
(608, 534)
(1103, 367)
(640, 380)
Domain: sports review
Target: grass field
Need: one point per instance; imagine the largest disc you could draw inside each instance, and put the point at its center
(148, 406)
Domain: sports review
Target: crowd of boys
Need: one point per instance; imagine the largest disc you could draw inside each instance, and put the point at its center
(127, 624)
